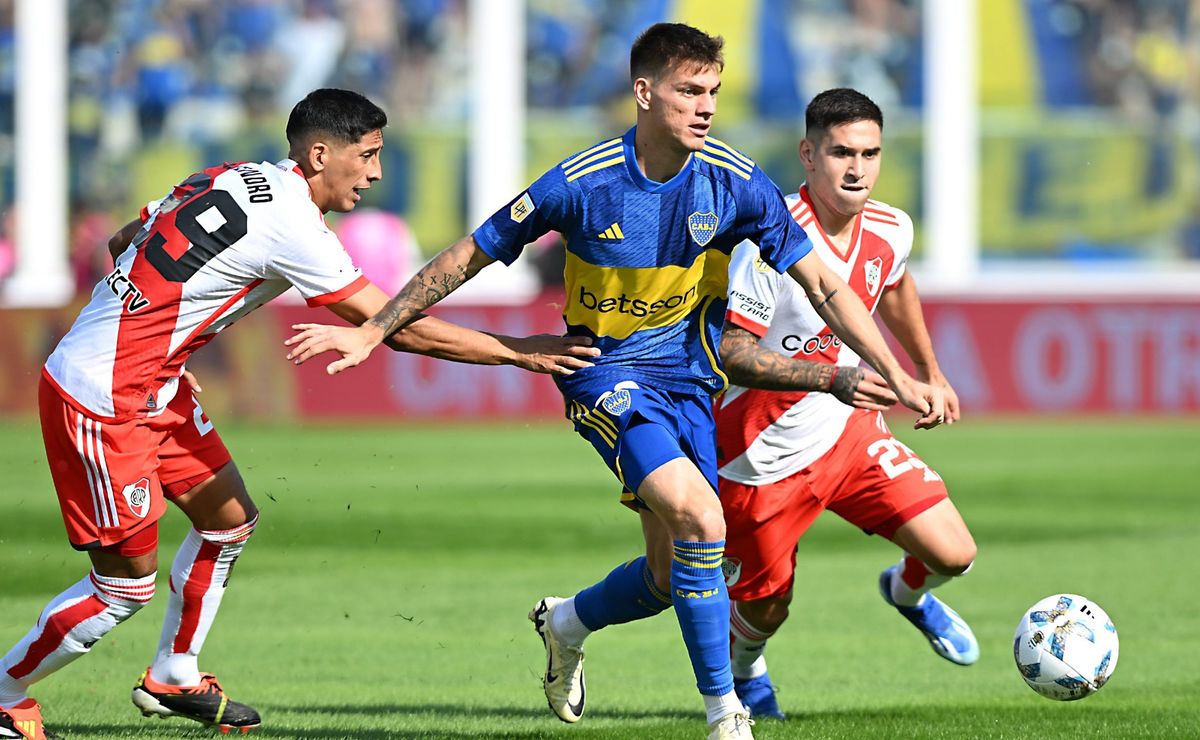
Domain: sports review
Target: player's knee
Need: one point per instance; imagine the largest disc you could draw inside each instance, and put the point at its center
(955, 562)
(237, 535)
(699, 518)
(766, 615)
(218, 503)
(711, 522)
(708, 516)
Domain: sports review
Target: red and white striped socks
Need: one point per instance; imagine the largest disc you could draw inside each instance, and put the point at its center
(68, 627)
(746, 645)
(912, 579)
(198, 579)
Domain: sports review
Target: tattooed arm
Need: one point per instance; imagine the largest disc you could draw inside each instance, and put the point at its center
(452, 267)
(751, 365)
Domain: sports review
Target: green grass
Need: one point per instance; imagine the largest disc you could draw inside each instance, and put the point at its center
(384, 595)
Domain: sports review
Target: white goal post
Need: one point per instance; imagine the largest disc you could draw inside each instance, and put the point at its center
(42, 276)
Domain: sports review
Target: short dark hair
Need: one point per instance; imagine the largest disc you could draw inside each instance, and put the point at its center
(838, 106)
(665, 46)
(343, 115)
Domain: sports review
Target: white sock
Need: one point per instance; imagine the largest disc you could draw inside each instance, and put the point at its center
(912, 579)
(198, 578)
(566, 624)
(68, 627)
(746, 646)
(718, 707)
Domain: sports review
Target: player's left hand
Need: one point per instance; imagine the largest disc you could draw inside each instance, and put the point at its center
(550, 353)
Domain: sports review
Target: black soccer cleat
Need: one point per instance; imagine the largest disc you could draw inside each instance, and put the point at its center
(205, 703)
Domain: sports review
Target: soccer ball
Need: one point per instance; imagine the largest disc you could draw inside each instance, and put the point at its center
(1065, 647)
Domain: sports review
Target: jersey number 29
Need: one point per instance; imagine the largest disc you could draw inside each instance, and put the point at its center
(210, 220)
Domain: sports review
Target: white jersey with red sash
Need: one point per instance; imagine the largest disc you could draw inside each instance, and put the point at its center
(222, 243)
(765, 436)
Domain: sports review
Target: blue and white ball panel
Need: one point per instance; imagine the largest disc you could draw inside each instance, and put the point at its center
(1065, 647)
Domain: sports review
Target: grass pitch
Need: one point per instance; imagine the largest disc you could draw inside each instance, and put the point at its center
(385, 593)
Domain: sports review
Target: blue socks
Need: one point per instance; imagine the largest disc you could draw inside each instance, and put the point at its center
(702, 607)
(701, 604)
(626, 594)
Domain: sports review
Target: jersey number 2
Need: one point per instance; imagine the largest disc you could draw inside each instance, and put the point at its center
(897, 459)
(211, 221)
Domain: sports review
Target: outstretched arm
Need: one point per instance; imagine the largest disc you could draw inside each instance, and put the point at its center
(900, 309)
(449, 269)
(453, 266)
(427, 335)
(749, 364)
(846, 315)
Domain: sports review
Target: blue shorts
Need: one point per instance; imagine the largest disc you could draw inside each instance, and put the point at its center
(638, 429)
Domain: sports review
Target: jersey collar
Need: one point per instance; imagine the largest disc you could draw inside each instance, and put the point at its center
(851, 246)
(635, 172)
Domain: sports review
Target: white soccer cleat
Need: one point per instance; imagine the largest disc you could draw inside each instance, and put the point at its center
(563, 682)
(734, 726)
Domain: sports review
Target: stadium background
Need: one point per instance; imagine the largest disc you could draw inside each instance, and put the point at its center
(1082, 296)
(412, 511)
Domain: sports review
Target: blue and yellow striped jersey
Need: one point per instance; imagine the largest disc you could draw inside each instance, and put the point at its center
(647, 262)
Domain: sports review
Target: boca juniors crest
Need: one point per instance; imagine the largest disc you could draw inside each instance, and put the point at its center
(703, 227)
(616, 402)
(874, 271)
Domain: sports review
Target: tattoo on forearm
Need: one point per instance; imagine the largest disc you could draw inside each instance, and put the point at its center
(845, 383)
(749, 365)
(828, 298)
(431, 284)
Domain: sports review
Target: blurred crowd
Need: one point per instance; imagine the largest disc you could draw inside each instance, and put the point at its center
(206, 70)
(1141, 58)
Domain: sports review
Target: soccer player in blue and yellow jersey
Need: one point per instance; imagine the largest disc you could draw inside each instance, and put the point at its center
(650, 219)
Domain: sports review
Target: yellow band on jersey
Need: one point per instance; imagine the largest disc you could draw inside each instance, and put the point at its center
(618, 301)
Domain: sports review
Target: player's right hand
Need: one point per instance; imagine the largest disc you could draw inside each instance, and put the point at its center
(927, 400)
(353, 343)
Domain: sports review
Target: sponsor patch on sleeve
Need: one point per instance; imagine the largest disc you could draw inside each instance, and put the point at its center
(521, 209)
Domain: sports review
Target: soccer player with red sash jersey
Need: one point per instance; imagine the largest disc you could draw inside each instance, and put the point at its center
(124, 434)
(790, 442)
(649, 219)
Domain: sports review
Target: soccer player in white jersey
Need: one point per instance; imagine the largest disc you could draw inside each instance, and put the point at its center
(790, 444)
(649, 219)
(123, 435)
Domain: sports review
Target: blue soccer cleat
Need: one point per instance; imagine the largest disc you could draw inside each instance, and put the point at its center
(948, 634)
(758, 695)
